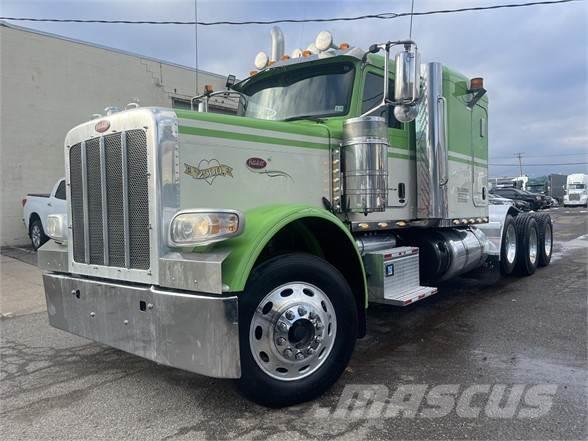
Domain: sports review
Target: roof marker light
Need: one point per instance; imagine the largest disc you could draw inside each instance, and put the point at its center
(261, 60)
(344, 46)
(323, 41)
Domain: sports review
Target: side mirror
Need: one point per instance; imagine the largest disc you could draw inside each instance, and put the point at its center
(406, 84)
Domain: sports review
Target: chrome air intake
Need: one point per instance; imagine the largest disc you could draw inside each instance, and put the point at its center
(365, 164)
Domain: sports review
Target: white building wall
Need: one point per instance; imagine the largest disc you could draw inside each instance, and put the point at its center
(50, 84)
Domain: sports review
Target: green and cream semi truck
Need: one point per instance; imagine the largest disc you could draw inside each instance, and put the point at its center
(249, 246)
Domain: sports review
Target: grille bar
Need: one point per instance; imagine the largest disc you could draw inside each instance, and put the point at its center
(125, 185)
(104, 201)
(84, 166)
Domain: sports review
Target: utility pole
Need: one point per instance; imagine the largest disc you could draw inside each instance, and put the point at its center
(520, 156)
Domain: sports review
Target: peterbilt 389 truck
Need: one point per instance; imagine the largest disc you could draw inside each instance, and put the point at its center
(249, 246)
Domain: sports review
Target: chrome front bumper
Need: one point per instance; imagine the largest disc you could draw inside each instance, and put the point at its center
(194, 332)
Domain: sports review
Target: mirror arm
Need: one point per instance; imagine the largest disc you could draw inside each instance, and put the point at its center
(374, 48)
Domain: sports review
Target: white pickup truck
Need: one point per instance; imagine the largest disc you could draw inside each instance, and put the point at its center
(36, 208)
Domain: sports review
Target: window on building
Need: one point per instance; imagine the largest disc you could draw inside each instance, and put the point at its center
(179, 103)
(373, 89)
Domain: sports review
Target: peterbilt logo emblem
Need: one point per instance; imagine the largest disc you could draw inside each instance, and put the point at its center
(256, 163)
(102, 126)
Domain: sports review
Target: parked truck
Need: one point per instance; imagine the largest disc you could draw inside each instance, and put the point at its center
(576, 190)
(36, 207)
(552, 185)
(249, 246)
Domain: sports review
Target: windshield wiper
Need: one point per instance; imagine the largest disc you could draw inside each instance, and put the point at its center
(306, 117)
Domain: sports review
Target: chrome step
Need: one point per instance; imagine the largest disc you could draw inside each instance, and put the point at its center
(408, 297)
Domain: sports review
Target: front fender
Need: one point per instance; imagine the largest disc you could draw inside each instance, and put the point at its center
(262, 224)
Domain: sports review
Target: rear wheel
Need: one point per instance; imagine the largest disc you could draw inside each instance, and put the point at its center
(527, 244)
(298, 325)
(508, 251)
(545, 231)
(37, 234)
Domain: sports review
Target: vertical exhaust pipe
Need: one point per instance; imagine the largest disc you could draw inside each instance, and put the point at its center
(431, 146)
(277, 44)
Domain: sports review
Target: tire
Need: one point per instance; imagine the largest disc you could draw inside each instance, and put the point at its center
(545, 230)
(289, 282)
(508, 249)
(527, 244)
(37, 234)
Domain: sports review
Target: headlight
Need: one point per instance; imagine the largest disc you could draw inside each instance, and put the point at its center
(57, 227)
(201, 227)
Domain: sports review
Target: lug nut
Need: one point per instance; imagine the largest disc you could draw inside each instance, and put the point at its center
(312, 315)
(289, 315)
(310, 351)
(301, 310)
(299, 356)
(317, 339)
(319, 325)
(281, 341)
(282, 326)
(288, 353)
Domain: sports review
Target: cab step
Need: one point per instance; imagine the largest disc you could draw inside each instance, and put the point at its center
(393, 276)
(408, 297)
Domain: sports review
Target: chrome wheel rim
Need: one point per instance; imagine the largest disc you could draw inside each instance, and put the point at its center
(293, 331)
(36, 235)
(548, 239)
(511, 243)
(533, 245)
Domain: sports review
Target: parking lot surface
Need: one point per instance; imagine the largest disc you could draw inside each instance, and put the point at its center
(479, 333)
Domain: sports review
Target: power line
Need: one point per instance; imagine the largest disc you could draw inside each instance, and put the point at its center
(381, 16)
(539, 165)
(545, 156)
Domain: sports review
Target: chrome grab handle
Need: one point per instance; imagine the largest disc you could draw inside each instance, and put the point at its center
(443, 161)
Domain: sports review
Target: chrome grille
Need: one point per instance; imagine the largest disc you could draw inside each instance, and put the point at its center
(574, 197)
(110, 200)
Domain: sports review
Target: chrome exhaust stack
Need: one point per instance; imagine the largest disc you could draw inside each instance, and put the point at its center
(277, 44)
(431, 146)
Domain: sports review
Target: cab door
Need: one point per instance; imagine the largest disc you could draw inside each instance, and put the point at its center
(479, 146)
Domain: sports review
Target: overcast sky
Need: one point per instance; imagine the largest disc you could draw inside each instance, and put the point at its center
(534, 60)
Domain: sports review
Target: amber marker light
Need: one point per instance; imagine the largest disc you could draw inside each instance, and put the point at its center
(476, 83)
(344, 46)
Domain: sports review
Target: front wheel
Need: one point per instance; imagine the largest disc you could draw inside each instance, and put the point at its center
(298, 325)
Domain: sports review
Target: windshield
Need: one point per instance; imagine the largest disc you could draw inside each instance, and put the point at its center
(314, 91)
(576, 187)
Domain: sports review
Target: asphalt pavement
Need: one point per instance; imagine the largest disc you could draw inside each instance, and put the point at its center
(491, 342)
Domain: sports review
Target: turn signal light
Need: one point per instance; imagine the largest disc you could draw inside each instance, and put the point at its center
(190, 228)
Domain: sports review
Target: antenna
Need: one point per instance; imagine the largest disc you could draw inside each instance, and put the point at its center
(411, 15)
(196, 43)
